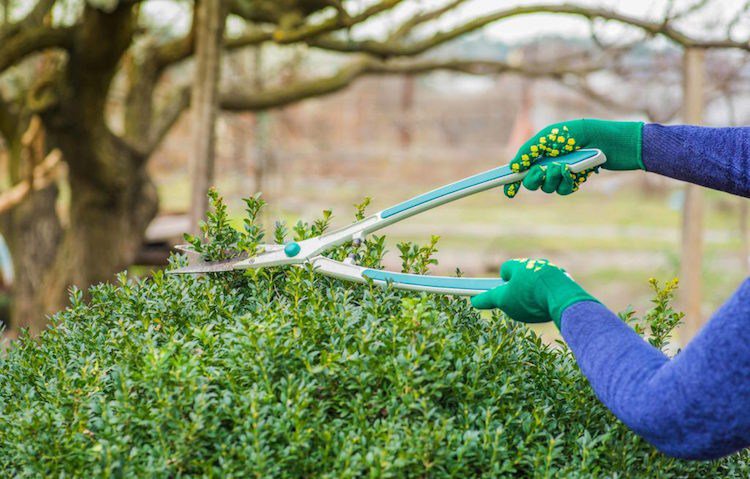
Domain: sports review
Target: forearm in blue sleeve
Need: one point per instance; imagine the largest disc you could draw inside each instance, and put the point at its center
(717, 158)
(694, 406)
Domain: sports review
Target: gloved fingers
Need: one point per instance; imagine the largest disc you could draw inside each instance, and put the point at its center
(535, 178)
(511, 189)
(567, 183)
(525, 156)
(522, 161)
(553, 177)
(555, 140)
(485, 300)
(581, 177)
(509, 267)
(529, 153)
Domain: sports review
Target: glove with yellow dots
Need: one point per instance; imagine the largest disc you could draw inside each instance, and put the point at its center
(536, 291)
(619, 140)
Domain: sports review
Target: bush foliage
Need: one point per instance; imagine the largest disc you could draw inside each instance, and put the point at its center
(284, 373)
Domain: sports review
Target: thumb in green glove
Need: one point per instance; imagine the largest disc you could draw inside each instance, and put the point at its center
(619, 140)
(536, 291)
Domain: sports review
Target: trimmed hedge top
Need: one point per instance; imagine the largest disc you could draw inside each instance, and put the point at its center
(284, 373)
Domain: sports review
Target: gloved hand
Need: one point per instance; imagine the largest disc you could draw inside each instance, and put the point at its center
(619, 140)
(536, 291)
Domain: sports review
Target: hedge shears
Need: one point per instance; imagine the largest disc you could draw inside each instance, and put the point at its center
(310, 251)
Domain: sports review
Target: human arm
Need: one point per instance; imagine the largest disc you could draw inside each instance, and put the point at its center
(718, 158)
(693, 406)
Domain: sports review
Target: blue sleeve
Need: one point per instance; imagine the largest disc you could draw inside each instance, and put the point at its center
(717, 158)
(694, 406)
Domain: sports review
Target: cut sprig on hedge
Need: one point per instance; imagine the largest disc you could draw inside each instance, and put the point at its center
(284, 373)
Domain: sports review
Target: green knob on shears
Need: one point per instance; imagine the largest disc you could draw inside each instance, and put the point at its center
(292, 249)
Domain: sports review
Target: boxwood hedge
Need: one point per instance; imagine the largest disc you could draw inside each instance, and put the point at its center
(283, 373)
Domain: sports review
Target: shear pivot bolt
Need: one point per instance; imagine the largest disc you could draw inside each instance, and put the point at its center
(292, 249)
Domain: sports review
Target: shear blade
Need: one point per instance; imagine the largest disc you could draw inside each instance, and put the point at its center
(185, 248)
(222, 266)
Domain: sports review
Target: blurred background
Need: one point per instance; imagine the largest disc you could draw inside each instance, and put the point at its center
(116, 116)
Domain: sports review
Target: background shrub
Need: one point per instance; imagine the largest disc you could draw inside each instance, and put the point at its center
(289, 374)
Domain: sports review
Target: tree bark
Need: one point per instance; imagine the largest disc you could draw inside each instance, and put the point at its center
(112, 199)
(204, 103)
(692, 214)
(261, 129)
(406, 122)
(33, 232)
(106, 230)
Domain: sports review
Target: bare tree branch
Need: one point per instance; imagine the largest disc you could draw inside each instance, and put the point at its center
(166, 118)
(386, 49)
(34, 40)
(423, 17)
(281, 96)
(320, 35)
(298, 91)
(582, 87)
(336, 23)
(181, 49)
(737, 19)
(690, 9)
(33, 19)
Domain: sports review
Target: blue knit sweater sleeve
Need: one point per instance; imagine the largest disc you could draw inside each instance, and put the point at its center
(718, 158)
(694, 406)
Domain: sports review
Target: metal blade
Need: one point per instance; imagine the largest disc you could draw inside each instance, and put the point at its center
(210, 266)
(267, 252)
(185, 248)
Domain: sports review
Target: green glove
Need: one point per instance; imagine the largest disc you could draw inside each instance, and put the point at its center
(619, 140)
(536, 291)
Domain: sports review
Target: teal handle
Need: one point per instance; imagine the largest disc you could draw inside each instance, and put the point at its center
(493, 178)
(438, 284)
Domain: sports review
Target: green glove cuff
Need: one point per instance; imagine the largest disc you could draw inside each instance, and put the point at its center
(563, 294)
(621, 141)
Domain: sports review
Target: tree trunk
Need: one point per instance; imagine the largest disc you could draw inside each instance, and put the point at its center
(106, 230)
(261, 131)
(406, 120)
(692, 215)
(33, 232)
(204, 103)
(112, 199)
